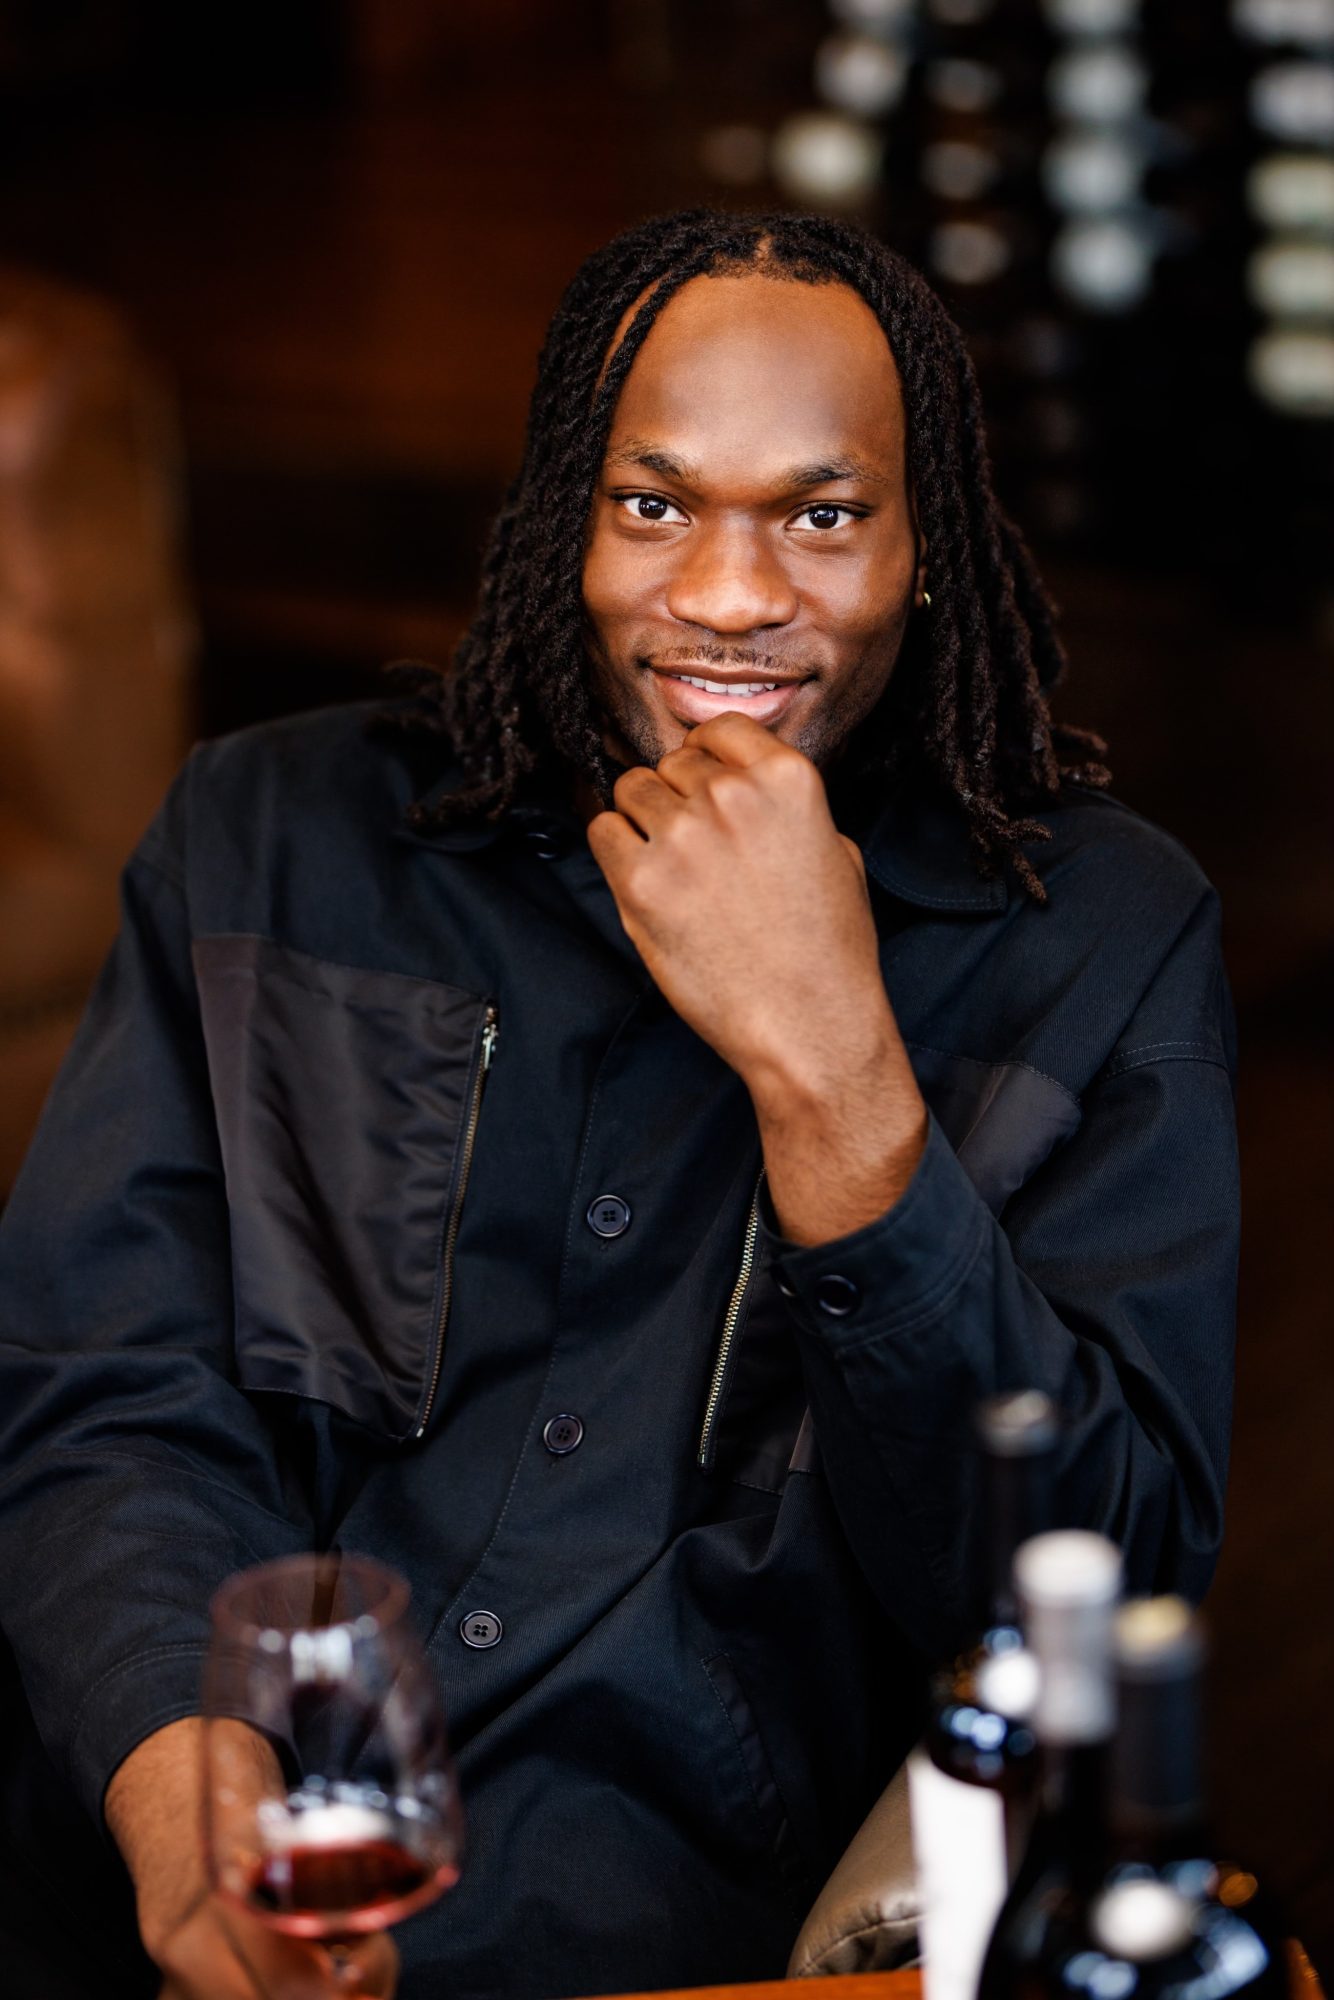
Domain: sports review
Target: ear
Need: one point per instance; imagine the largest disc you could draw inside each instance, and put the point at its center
(920, 575)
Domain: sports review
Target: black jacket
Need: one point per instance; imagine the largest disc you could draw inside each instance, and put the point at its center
(290, 1264)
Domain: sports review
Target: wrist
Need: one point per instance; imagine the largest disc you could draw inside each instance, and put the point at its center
(851, 1065)
(840, 1147)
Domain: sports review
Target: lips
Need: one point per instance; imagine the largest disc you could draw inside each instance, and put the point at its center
(695, 697)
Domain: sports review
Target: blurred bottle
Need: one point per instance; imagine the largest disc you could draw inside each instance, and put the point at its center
(1170, 1907)
(971, 1782)
(1151, 1910)
(1069, 1584)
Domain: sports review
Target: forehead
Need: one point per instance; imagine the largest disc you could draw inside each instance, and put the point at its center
(767, 368)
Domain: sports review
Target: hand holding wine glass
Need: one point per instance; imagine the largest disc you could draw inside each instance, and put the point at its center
(329, 1801)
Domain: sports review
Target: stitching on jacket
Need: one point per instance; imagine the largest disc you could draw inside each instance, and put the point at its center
(1150, 1056)
(931, 1303)
(785, 1810)
(176, 1649)
(292, 976)
(180, 1471)
(1005, 1062)
(159, 866)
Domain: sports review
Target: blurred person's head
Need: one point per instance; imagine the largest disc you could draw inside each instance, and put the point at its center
(756, 477)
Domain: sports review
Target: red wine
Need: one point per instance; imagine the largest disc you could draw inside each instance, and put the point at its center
(324, 1889)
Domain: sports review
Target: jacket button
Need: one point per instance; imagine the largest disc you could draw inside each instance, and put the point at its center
(545, 842)
(836, 1295)
(609, 1215)
(480, 1629)
(562, 1434)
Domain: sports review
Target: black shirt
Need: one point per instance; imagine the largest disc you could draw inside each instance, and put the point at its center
(384, 1202)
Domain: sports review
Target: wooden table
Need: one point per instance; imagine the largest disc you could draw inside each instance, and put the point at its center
(908, 1986)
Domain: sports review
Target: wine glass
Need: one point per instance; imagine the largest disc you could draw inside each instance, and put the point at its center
(330, 1804)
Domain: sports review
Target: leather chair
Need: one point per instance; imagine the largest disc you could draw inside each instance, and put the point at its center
(865, 1917)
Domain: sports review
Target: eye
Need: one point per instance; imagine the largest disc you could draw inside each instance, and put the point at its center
(823, 515)
(650, 507)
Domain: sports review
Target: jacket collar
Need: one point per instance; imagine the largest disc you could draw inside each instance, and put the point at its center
(916, 849)
(919, 850)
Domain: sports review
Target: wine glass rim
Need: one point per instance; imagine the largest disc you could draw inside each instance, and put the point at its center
(387, 1593)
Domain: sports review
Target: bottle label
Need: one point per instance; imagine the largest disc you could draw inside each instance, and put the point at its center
(958, 1834)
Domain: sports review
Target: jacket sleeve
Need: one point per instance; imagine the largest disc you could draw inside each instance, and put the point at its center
(1108, 1280)
(134, 1474)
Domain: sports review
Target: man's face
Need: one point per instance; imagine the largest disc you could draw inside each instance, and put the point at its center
(752, 525)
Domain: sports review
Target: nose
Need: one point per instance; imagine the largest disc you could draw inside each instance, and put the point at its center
(730, 579)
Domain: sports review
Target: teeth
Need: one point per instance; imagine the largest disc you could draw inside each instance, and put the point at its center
(727, 687)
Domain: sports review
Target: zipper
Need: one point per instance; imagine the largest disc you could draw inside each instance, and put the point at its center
(731, 1320)
(490, 1036)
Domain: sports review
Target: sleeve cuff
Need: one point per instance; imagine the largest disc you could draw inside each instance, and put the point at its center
(895, 1271)
(138, 1696)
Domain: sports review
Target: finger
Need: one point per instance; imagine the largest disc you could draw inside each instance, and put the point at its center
(376, 1962)
(687, 769)
(614, 844)
(641, 797)
(737, 739)
(279, 1968)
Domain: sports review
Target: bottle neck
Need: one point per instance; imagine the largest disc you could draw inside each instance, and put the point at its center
(1156, 1794)
(1073, 1807)
(1017, 1492)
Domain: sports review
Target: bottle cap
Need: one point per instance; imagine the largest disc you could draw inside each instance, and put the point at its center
(1068, 1568)
(1069, 1582)
(1142, 1921)
(1157, 1638)
(1018, 1425)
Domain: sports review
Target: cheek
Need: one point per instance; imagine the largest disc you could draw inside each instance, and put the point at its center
(609, 579)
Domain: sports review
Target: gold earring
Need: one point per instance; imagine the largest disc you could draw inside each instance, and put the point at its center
(926, 600)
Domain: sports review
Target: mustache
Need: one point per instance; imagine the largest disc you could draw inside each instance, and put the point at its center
(714, 655)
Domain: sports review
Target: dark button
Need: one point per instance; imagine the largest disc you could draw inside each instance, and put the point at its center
(545, 843)
(836, 1295)
(609, 1215)
(562, 1434)
(481, 1629)
(788, 1291)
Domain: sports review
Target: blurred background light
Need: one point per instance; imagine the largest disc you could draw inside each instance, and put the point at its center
(1292, 191)
(1293, 370)
(1089, 171)
(1091, 17)
(826, 158)
(860, 74)
(957, 84)
(1295, 101)
(968, 253)
(958, 169)
(1104, 83)
(959, 13)
(884, 17)
(1105, 266)
(1293, 280)
(1307, 23)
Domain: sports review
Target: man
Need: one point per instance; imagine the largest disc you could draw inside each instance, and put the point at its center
(591, 1145)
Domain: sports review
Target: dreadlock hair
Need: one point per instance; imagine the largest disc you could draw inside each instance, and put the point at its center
(966, 706)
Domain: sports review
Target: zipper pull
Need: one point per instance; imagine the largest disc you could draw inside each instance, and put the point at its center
(490, 1036)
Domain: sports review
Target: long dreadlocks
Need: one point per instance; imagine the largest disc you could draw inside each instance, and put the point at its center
(967, 702)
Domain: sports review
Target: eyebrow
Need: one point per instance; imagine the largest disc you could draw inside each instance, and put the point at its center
(653, 458)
